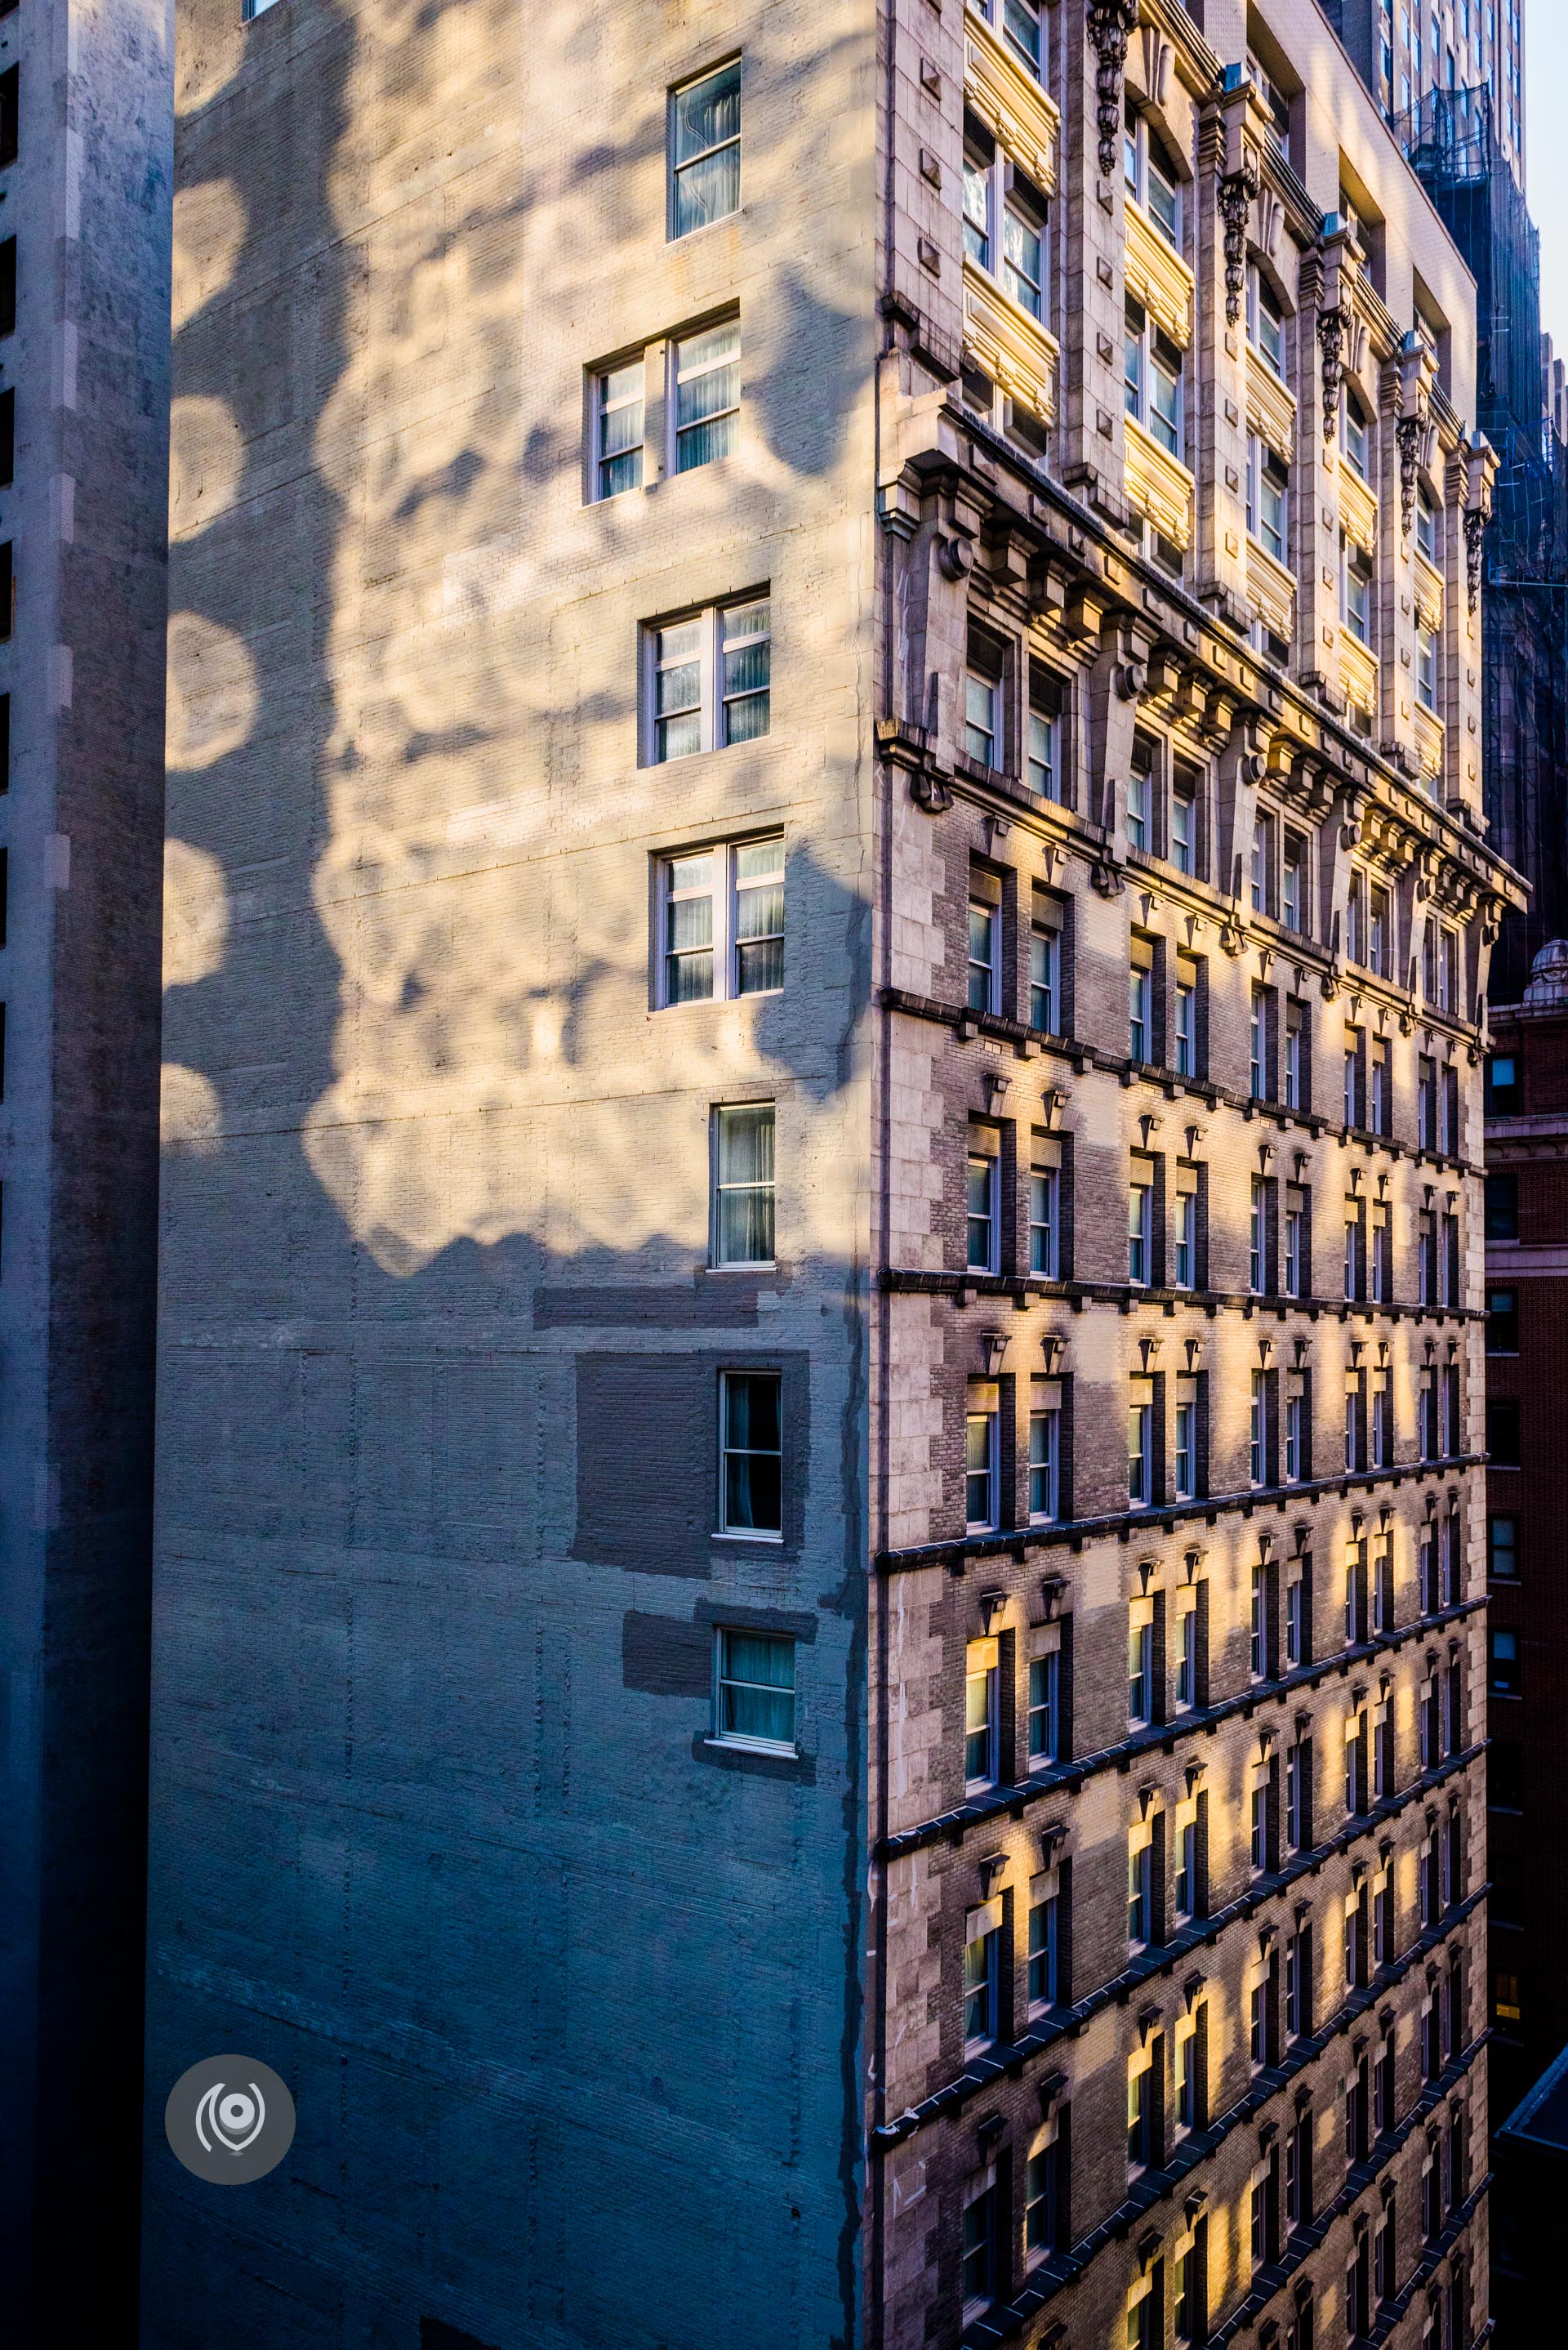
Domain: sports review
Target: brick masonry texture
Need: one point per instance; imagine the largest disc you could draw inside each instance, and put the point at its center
(443, 1833)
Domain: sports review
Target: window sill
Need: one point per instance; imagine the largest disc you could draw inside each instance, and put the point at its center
(740, 1534)
(761, 1761)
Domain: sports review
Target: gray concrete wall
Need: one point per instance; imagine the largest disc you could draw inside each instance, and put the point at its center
(88, 202)
(567, 1998)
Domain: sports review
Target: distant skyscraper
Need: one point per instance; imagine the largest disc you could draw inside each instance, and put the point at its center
(85, 169)
(1410, 52)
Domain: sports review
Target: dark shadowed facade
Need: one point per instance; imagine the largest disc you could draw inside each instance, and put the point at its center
(86, 180)
(819, 1647)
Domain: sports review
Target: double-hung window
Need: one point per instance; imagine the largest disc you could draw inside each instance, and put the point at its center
(705, 149)
(1044, 1454)
(755, 1690)
(984, 955)
(1426, 665)
(1152, 381)
(619, 427)
(1186, 1251)
(1021, 27)
(982, 1429)
(1426, 526)
(1184, 826)
(1356, 587)
(1152, 180)
(1044, 746)
(1268, 499)
(1357, 436)
(982, 1202)
(1141, 1443)
(1186, 1009)
(1140, 799)
(1186, 1461)
(721, 921)
(981, 1974)
(1045, 1219)
(1045, 1708)
(1265, 321)
(1004, 224)
(1140, 1001)
(744, 1184)
(982, 697)
(711, 676)
(982, 1714)
(705, 371)
(1045, 979)
(1140, 1231)
(750, 1479)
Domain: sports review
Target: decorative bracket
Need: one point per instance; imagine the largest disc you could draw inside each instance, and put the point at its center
(1110, 27)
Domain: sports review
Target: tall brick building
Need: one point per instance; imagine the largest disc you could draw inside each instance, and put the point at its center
(1527, 1300)
(820, 1663)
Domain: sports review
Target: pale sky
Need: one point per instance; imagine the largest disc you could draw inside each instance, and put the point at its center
(1546, 83)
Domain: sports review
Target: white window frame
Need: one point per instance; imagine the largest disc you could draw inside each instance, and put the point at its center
(1138, 384)
(722, 1680)
(990, 964)
(712, 704)
(992, 1165)
(991, 1420)
(721, 1111)
(748, 1533)
(1045, 951)
(1258, 451)
(1258, 288)
(726, 894)
(1045, 1218)
(1137, 166)
(1006, 199)
(673, 169)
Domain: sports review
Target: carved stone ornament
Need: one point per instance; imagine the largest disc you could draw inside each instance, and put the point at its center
(1238, 194)
(1331, 326)
(911, 750)
(1475, 534)
(1110, 27)
(1409, 431)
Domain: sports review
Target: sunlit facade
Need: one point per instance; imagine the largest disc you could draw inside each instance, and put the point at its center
(821, 1550)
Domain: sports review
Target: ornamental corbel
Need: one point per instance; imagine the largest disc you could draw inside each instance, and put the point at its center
(1335, 312)
(1416, 372)
(1481, 468)
(1110, 27)
(1243, 125)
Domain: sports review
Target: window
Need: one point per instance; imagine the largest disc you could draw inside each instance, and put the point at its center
(1140, 1670)
(1426, 526)
(1045, 1454)
(1257, 1234)
(983, 1177)
(1382, 1253)
(1502, 1549)
(1297, 1772)
(744, 1184)
(756, 1678)
(705, 150)
(1504, 1679)
(1186, 1888)
(1258, 1045)
(1044, 1707)
(723, 921)
(1186, 1231)
(1356, 600)
(1185, 1009)
(1502, 1207)
(1357, 436)
(1152, 380)
(1140, 1232)
(1257, 1645)
(1503, 1321)
(982, 1426)
(1046, 980)
(1044, 1951)
(1298, 1618)
(981, 2240)
(1268, 493)
(1379, 932)
(1293, 891)
(984, 955)
(1186, 1690)
(1152, 180)
(981, 1714)
(1140, 1002)
(1000, 208)
(1045, 735)
(1426, 666)
(1295, 1412)
(1040, 2200)
(1045, 1225)
(619, 429)
(982, 719)
(752, 1480)
(1140, 1892)
(1140, 1443)
(706, 368)
(1021, 29)
(1296, 1061)
(1140, 799)
(1502, 1086)
(1265, 321)
(1261, 867)
(710, 679)
(1184, 826)
(980, 1972)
